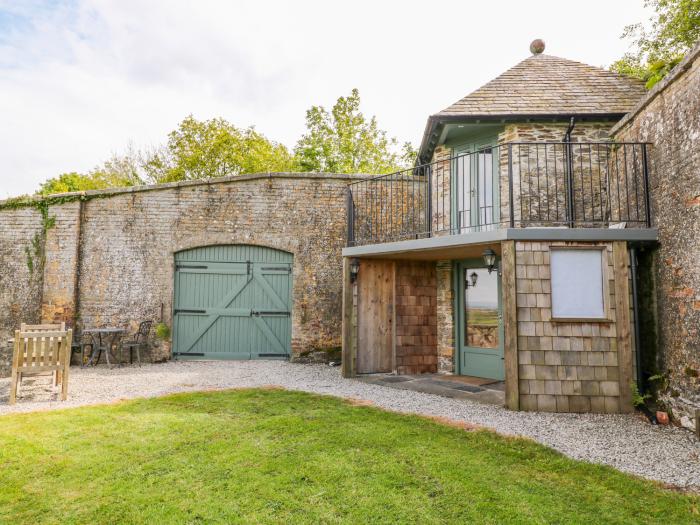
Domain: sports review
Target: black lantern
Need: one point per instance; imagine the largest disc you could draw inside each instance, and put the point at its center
(473, 277)
(354, 269)
(489, 259)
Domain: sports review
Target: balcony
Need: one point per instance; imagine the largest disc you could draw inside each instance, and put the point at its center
(515, 185)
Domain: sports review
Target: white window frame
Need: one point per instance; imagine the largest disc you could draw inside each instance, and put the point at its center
(604, 285)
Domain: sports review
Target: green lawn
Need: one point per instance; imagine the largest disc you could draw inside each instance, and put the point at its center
(274, 456)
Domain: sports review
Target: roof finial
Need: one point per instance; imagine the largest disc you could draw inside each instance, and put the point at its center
(537, 46)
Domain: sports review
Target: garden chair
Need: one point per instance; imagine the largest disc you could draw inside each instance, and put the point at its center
(138, 340)
(79, 343)
(36, 352)
(45, 327)
(50, 327)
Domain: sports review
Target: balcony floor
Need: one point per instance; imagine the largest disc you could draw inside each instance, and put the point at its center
(457, 246)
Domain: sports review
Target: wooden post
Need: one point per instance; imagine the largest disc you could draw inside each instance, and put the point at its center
(394, 283)
(622, 324)
(65, 363)
(15, 367)
(348, 364)
(510, 324)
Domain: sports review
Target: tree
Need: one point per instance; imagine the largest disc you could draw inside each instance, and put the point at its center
(67, 182)
(119, 171)
(675, 28)
(340, 141)
(344, 141)
(214, 148)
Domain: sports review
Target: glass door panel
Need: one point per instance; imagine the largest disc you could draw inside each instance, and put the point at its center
(480, 322)
(476, 188)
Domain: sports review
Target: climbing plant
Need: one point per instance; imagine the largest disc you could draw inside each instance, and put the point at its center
(36, 251)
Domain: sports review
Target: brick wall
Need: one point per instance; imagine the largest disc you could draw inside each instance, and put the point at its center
(128, 239)
(670, 118)
(416, 318)
(565, 366)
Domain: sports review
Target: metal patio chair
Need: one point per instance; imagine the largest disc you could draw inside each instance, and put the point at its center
(139, 339)
(81, 341)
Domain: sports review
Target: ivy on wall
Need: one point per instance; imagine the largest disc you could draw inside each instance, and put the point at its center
(36, 251)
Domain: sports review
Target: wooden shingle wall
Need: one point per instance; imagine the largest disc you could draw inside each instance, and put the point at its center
(571, 366)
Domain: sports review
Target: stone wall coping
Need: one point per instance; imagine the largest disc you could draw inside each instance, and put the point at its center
(108, 192)
(676, 73)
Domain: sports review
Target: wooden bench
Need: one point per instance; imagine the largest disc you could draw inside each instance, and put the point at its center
(41, 351)
(58, 327)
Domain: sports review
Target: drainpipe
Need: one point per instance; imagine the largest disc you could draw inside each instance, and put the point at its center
(637, 343)
(567, 135)
(635, 317)
(569, 158)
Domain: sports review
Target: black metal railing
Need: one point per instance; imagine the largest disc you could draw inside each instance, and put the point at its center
(511, 185)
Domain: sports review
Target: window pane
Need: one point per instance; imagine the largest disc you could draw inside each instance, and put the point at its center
(481, 308)
(577, 284)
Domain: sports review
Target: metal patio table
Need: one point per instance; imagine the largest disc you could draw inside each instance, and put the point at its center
(103, 340)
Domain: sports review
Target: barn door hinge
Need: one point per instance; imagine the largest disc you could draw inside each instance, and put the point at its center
(188, 353)
(258, 313)
(191, 266)
(185, 311)
(276, 269)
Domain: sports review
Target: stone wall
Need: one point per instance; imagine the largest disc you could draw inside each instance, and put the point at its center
(127, 240)
(445, 317)
(390, 208)
(538, 171)
(568, 366)
(441, 170)
(416, 318)
(21, 278)
(61, 266)
(669, 118)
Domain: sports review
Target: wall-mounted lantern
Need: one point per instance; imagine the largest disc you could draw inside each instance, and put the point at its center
(489, 259)
(473, 277)
(354, 269)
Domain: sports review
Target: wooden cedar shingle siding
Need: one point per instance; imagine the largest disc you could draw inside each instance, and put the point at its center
(548, 85)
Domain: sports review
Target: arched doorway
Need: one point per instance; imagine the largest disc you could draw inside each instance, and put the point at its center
(232, 302)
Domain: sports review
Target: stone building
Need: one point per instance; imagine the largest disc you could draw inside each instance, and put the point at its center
(518, 269)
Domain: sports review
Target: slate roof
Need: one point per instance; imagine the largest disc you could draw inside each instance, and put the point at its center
(549, 85)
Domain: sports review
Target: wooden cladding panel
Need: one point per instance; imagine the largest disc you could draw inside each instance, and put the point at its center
(375, 316)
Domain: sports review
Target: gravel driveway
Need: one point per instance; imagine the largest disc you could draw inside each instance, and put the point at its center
(626, 442)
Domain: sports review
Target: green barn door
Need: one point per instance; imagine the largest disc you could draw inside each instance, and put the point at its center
(232, 302)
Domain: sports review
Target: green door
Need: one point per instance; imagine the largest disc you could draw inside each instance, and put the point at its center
(476, 187)
(232, 302)
(479, 321)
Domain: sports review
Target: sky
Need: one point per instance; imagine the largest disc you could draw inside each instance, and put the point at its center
(82, 80)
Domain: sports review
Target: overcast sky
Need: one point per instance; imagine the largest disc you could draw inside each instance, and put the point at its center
(80, 80)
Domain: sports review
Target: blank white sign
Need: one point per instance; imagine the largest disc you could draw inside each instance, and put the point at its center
(577, 284)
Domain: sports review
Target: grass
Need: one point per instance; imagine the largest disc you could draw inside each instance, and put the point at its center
(271, 456)
(482, 316)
